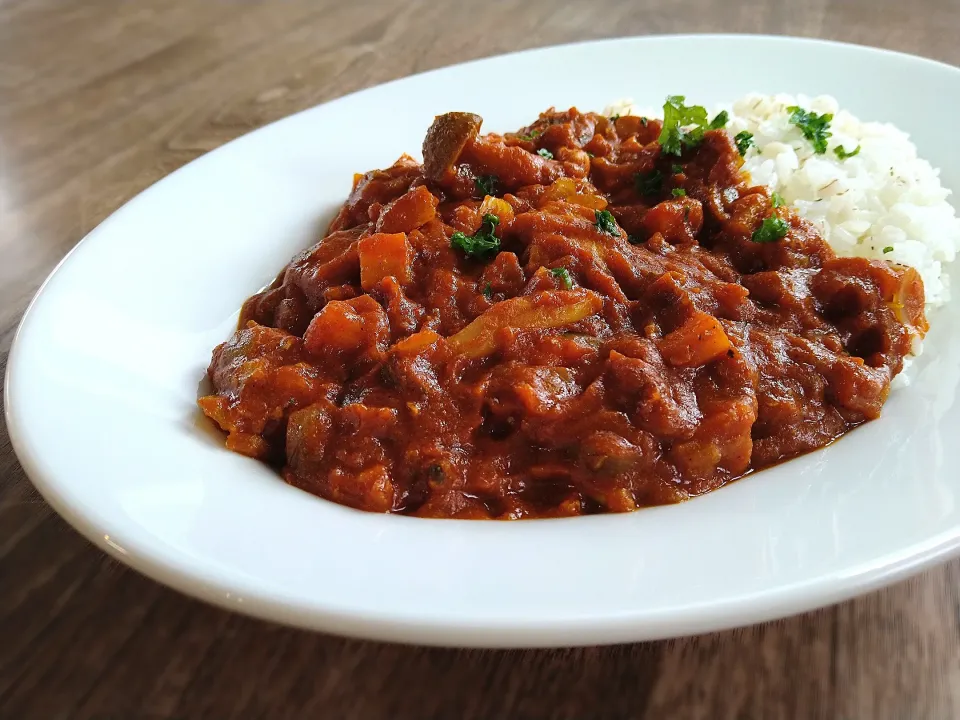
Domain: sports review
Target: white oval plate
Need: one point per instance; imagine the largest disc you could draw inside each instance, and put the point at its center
(103, 378)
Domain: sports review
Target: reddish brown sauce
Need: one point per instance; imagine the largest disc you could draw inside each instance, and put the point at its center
(587, 367)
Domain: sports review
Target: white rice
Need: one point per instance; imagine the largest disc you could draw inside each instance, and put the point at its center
(883, 198)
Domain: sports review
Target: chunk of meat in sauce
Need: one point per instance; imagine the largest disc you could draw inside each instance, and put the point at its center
(576, 369)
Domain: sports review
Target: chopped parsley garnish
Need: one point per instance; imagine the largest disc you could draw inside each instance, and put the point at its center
(678, 192)
(643, 121)
(843, 154)
(771, 230)
(606, 222)
(888, 249)
(486, 184)
(488, 291)
(530, 137)
(815, 128)
(676, 169)
(649, 183)
(614, 118)
(544, 153)
(776, 199)
(683, 125)
(482, 243)
(563, 275)
(743, 140)
(720, 120)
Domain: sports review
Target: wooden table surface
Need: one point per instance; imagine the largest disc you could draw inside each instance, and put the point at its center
(101, 98)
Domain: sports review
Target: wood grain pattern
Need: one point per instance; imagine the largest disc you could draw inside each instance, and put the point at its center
(100, 99)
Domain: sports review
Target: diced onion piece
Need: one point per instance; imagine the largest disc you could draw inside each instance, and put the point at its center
(908, 302)
(544, 310)
(566, 189)
(416, 343)
(495, 206)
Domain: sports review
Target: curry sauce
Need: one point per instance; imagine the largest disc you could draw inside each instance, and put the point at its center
(560, 321)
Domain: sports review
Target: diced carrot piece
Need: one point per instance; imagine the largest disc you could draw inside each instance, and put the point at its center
(645, 129)
(678, 220)
(414, 208)
(215, 408)
(370, 489)
(504, 274)
(544, 310)
(247, 444)
(697, 458)
(698, 341)
(598, 146)
(357, 327)
(383, 255)
(337, 326)
(364, 304)
(378, 487)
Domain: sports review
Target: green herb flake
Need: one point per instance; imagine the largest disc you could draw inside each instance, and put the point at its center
(721, 120)
(683, 125)
(843, 154)
(634, 240)
(888, 249)
(678, 192)
(563, 275)
(606, 222)
(488, 291)
(743, 141)
(649, 183)
(482, 243)
(486, 185)
(776, 199)
(677, 169)
(815, 128)
(771, 230)
(614, 118)
(544, 153)
(644, 121)
(530, 137)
